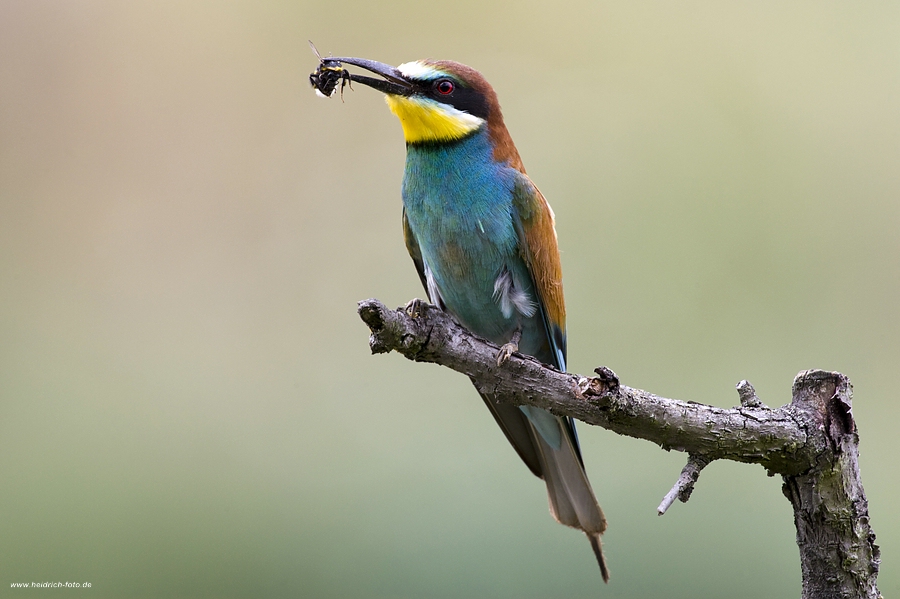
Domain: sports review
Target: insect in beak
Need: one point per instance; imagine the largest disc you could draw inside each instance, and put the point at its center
(326, 76)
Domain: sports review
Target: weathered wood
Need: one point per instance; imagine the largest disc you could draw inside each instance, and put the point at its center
(812, 441)
(838, 554)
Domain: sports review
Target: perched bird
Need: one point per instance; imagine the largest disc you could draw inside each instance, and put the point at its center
(483, 241)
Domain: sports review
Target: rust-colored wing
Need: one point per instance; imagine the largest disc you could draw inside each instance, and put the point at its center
(540, 250)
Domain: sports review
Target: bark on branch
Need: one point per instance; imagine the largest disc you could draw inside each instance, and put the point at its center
(812, 442)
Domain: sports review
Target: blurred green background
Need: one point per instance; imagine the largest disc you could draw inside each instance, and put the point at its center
(188, 407)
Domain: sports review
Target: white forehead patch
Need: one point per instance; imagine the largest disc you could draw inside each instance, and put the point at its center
(419, 70)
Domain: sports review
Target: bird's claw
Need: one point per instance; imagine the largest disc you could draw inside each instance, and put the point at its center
(414, 307)
(505, 352)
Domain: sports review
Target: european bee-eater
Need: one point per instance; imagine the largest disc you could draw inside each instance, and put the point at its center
(483, 240)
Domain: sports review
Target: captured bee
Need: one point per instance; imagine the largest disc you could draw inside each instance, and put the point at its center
(325, 78)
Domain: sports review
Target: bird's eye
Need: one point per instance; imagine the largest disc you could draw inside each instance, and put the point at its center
(444, 87)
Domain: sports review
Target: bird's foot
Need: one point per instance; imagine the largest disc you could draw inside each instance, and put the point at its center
(415, 306)
(508, 349)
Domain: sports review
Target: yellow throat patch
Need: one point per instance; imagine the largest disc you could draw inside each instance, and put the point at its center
(427, 120)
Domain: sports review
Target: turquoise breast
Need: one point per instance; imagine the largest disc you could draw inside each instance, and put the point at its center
(459, 206)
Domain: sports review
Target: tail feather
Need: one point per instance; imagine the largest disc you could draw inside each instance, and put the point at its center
(562, 507)
(597, 546)
(571, 498)
(568, 488)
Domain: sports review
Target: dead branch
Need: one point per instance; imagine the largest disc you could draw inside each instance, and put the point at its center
(812, 442)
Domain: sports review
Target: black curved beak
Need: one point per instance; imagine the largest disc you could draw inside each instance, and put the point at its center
(394, 82)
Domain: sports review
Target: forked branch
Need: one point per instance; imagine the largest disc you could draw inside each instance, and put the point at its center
(811, 441)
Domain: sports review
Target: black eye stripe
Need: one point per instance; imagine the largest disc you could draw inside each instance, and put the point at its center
(459, 96)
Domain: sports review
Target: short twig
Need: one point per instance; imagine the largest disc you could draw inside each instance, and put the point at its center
(748, 395)
(684, 486)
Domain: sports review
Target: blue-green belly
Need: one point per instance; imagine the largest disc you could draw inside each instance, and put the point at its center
(459, 207)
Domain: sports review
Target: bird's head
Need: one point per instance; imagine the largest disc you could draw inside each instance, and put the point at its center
(438, 101)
